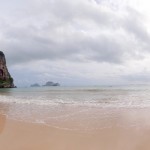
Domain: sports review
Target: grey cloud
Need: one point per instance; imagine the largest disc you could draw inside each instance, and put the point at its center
(101, 49)
(137, 78)
(57, 30)
(134, 25)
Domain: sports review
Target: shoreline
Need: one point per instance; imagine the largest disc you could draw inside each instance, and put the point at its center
(117, 133)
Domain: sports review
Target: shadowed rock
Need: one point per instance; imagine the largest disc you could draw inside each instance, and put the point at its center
(35, 85)
(6, 81)
(49, 83)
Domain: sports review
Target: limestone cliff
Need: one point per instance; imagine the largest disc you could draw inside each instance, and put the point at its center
(6, 81)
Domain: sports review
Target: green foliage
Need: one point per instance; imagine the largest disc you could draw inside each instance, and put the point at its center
(11, 80)
(6, 82)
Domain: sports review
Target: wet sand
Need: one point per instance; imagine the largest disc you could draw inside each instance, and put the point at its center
(129, 131)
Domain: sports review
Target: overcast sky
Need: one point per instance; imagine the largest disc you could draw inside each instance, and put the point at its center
(76, 42)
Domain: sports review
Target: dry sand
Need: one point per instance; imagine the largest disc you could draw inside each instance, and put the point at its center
(16, 135)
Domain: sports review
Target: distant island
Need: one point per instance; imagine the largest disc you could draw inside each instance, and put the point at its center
(49, 83)
(35, 85)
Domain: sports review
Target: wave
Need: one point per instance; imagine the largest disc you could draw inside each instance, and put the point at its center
(90, 96)
(102, 103)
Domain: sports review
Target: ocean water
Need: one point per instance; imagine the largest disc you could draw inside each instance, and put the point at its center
(59, 105)
(117, 96)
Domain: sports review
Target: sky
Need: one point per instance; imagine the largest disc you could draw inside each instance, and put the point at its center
(76, 42)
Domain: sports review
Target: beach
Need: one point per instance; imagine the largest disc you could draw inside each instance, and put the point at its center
(76, 119)
(74, 75)
(114, 133)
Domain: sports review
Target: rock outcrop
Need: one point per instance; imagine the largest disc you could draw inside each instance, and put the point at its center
(35, 85)
(49, 83)
(6, 81)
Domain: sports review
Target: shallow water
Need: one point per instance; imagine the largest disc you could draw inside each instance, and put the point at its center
(78, 108)
(127, 96)
(79, 118)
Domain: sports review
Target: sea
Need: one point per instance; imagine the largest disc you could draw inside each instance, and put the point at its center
(53, 106)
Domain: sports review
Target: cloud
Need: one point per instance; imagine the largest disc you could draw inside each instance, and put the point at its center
(67, 30)
(81, 31)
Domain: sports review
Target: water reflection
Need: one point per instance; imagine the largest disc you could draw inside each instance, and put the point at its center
(3, 112)
(6, 91)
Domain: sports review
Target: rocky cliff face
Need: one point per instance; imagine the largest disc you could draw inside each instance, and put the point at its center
(6, 81)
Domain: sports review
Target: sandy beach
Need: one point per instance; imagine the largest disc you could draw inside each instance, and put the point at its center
(121, 134)
(75, 119)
